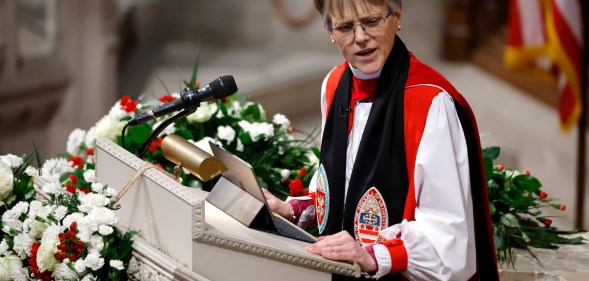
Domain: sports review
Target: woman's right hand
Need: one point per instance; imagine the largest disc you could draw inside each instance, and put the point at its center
(284, 209)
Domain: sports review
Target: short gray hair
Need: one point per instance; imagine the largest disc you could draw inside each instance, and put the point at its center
(328, 7)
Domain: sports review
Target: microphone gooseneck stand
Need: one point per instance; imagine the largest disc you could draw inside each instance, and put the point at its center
(141, 151)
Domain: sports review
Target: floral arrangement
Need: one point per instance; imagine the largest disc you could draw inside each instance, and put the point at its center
(284, 164)
(67, 231)
(516, 200)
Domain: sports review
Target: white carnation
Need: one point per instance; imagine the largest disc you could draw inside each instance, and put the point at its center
(53, 187)
(90, 175)
(6, 183)
(76, 138)
(93, 260)
(4, 248)
(90, 137)
(55, 167)
(80, 266)
(245, 125)
(117, 264)
(22, 245)
(203, 114)
(108, 127)
(64, 272)
(105, 230)
(285, 173)
(281, 121)
(92, 200)
(101, 216)
(258, 130)
(116, 112)
(60, 212)
(110, 192)
(96, 242)
(89, 277)
(239, 145)
(10, 161)
(226, 133)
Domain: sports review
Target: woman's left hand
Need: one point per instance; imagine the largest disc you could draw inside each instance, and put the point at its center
(343, 247)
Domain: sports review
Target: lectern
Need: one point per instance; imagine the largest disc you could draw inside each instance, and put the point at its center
(182, 237)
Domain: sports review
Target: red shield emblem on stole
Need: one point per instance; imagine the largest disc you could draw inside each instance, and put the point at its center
(322, 199)
(371, 217)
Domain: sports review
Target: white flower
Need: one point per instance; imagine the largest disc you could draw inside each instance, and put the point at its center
(204, 144)
(101, 216)
(6, 183)
(244, 125)
(93, 260)
(37, 227)
(313, 160)
(31, 171)
(33, 208)
(92, 200)
(53, 187)
(54, 168)
(22, 245)
(203, 113)
(259, 106)
(49, 242)
(108, 127)
(285, 173)
(261, 129)
(90, 175)
(226, 133)
(96, 242)
(90, 137)
(116, 112)
(4, 248)
(219, 114)
(281, 121)
(80, 266)
(235, 108)
(11, 218)
(18, 273)
(239, 146)
(110, 192)
(6, 265)
(64, 272)
(76, 138)
(117, 264)
(105, 230)
(169, 130)
(84, 231)
(60, 212)
(10, 161)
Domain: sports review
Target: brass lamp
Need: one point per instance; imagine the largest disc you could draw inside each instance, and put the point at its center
(190, 157)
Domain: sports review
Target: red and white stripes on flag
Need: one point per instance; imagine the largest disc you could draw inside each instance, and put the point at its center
(546, 33)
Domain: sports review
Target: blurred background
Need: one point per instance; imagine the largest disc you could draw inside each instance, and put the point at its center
(64, 63)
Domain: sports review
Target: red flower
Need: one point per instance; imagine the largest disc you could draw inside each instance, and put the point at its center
(296, 188)
(291, 129)
(527, 173)
(167, 98)
(127, 104)
(85, 189)
(73, 179)
(563, 207)
(302, 172)
(45, 275)
(224, 99)
(159, 166)
(547, 222)
(155, 145)
(90, 151)
(70, 188)
(543, 195)
(197, 84)
(500, 167)
(76, 162)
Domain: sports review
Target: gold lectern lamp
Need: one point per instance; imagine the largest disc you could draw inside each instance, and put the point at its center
(188, 156)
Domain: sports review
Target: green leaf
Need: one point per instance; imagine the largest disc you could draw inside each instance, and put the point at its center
(528, 183)
(195, 68)
(488, 162)
(491, 152)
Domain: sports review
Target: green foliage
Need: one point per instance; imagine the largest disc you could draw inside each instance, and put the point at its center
(515, 202)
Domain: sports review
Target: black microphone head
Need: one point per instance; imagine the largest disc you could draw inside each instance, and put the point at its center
(223, 86)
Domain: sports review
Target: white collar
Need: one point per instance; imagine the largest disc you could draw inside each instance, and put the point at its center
(363, 76)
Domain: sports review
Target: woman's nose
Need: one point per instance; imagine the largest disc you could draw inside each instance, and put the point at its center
(360, 33)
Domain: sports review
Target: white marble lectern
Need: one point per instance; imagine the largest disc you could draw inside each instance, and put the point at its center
(184, 238)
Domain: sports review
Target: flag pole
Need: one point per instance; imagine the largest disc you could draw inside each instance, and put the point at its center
(581, 144)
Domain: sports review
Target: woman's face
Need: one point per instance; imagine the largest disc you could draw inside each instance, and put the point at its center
(366, 47)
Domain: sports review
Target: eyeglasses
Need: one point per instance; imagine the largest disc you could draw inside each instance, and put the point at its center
(369, 25)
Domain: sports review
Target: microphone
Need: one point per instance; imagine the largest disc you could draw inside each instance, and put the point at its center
(190, 99)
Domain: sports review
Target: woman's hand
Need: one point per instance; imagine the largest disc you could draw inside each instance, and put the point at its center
(342, 247)
(278, 206)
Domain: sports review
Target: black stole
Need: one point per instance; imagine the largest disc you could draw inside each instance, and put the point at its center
(381, 160)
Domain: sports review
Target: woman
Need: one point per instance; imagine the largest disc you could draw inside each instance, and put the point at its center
(400, 189)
